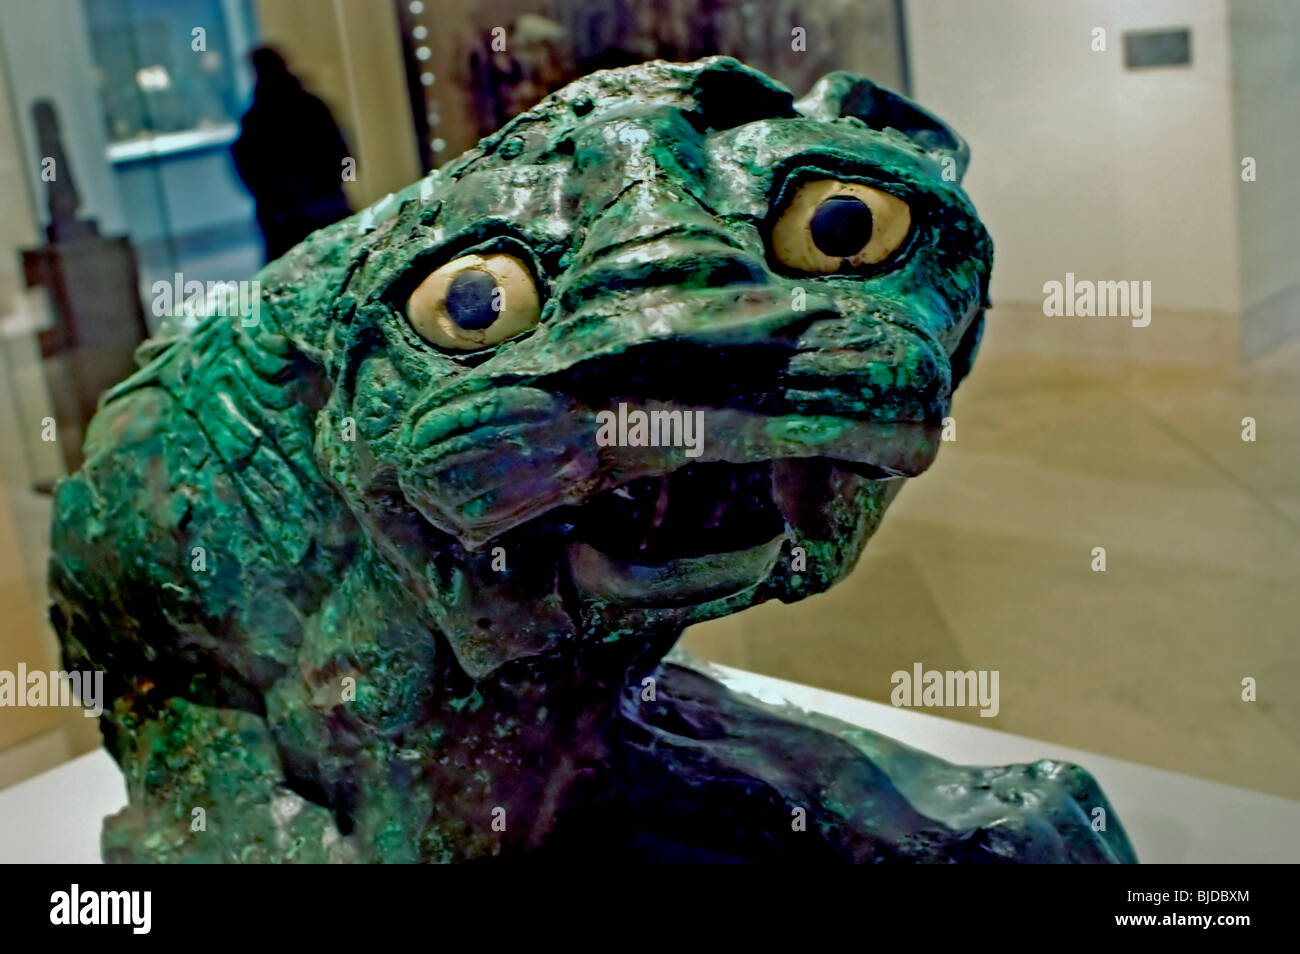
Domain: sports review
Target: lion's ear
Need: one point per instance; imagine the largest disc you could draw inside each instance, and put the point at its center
(841, 94)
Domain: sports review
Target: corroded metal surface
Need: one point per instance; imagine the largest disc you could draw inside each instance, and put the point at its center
(374, 577)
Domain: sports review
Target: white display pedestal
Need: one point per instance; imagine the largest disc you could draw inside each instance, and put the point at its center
(55, 817)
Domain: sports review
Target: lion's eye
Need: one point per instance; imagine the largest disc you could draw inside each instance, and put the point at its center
(829, 223)
(475, 301)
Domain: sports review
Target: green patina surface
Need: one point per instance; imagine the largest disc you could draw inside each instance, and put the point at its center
(806, 430)
(334, 573)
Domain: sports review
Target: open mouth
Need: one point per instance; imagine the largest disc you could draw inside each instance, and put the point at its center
(698, 510)
(680, 505)
(702, 532)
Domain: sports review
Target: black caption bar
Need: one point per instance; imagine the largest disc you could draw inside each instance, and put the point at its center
(266, 905)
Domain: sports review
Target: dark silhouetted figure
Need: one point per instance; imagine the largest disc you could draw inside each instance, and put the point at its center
(290, 156)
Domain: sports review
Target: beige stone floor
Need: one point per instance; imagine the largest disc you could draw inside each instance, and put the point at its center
(984, 562)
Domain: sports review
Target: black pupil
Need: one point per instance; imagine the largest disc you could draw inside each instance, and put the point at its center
(841, 226)
(469, 299)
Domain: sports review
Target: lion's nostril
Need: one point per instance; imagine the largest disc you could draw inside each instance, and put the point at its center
(683, 259)
(690, 268)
